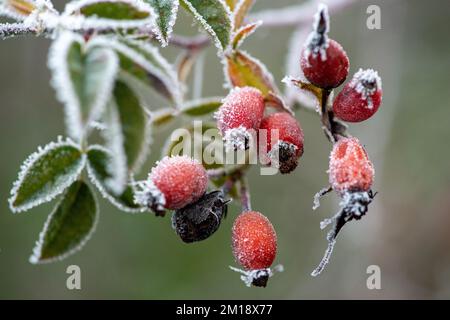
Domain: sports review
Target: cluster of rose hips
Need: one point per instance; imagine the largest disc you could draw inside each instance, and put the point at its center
(180, 183)
(325, 65)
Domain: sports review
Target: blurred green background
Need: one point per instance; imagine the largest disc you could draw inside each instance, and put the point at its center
(406, 231)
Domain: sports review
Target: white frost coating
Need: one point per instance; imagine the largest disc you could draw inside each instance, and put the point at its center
(37, 250)
(356, 202)
(317, 41)
(147, 194)
(28, 164)
(70, 20)
(105, 194)
(208, 28)
(62, 83)
(366, 82)
(173, 18)
(250, 275)
(174, 86)
(252, 26)
(236, 138)
(113, 136)
(168, 77)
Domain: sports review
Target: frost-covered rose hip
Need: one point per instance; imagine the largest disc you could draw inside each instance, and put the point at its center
(287, 147)
(360, 98)
(323, 61)
(350, 168)
(241, 111)
(254, 243)
(172, 184)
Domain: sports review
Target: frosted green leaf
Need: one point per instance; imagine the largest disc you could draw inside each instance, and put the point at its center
(98, 167)
(69, 226)
(104, 14)
(201, 107)
(166, 15)
(215, 18)
(162, 116)
(127, 136)
(83, 80)
(143, 61)
(46, 174)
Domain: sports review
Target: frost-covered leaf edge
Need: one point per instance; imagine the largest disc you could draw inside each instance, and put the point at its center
(170, 79)
(37, 250)
(79, 22)
(27, 165)
(164, 39)
(100, 186)
(208, 28)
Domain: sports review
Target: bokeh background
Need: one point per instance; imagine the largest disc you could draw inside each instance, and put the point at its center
(406, 232)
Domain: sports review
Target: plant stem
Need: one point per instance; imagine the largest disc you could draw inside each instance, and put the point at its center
(245, 194)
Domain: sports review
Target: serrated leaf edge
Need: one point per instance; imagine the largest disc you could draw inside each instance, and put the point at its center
(30, 161)
(209, 29)
(37, 250)
(173, 18)
(100, 187)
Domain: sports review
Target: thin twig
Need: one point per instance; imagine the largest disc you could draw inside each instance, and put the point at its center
(245, 194)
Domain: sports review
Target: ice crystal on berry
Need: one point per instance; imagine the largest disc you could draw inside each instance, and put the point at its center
(366, 82)
(317, 41)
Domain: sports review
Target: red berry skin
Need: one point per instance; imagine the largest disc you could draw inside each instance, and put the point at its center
(254, 241)
(360, 98)
(329, 73)
(181, 180)
(289, 132)
(350, 169)
(243, 107)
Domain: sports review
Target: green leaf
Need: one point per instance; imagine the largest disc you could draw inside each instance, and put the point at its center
(127, 135)
(133, 121)
(166, 12)
(215, 18)
(201, 107)
(46, 174)
(113, 10)
(144, 62)
(69, 226)
(114, 14)
(163, 116)
(100, 173)
(244, 70)
(83, 80)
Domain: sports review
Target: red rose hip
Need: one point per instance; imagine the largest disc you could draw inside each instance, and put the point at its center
(323, 61)
(241, 111)
(350, 169)
(254, 243)
(172, 184)
(287, 145)
(360, 98)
